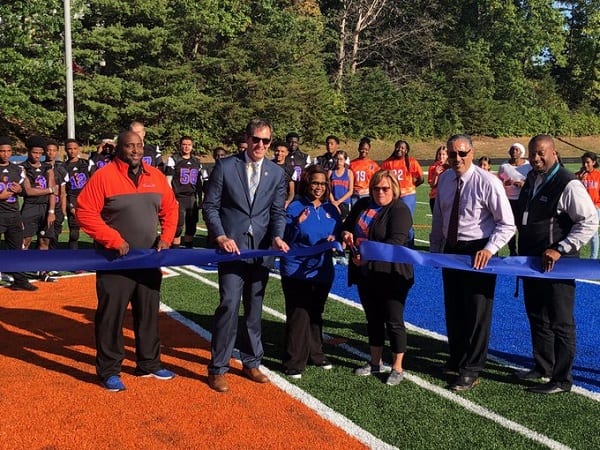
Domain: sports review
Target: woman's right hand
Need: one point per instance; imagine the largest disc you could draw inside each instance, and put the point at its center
(304, 215)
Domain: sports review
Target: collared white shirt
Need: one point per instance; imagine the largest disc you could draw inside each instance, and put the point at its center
(484, 210)
(578, 205)
(248, 167)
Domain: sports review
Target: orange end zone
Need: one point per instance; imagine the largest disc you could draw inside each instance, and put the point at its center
(50, 396)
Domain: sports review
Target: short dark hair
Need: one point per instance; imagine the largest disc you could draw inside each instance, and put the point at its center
(72, 140)
(331, 136)
(35, 141)
(257, 123)
(291, 135)
(279, 143)
(364, 140)
(185, 138)
(218, 149)
(5, 140)
(50, 142)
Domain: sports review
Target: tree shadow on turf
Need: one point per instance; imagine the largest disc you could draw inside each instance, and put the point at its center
(28, 335)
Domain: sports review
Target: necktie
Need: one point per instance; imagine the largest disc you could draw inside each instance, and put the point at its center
(452, 237)
(253, 180)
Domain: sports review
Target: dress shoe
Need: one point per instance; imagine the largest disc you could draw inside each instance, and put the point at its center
(255, 375)
(532, 374)
(218, 382)
(27, 286)
(548, 388)
(464, 383)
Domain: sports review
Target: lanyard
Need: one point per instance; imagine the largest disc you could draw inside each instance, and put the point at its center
(544, 182)
(536, 191)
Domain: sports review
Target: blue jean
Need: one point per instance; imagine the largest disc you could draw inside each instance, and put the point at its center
(595, 242)
(410, 201)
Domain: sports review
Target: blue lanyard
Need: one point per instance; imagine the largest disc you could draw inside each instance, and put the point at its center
(545, 182)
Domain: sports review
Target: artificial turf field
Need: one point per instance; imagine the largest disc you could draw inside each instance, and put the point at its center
(419, 413)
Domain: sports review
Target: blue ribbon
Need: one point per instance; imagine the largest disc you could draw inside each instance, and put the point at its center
(71, 260)
(525, 266)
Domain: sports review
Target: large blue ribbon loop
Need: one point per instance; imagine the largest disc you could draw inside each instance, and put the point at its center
(71, 260)
(525, 266)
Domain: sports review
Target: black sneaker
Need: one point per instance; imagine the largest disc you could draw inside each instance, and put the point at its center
(6, 278)
(27, 286)
(293, 373)
(45, 277)
(325, 365)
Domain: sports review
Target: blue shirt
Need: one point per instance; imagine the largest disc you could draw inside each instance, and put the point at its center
(321, 223)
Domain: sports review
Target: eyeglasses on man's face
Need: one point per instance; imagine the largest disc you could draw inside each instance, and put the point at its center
(453, 155)
(256, 140)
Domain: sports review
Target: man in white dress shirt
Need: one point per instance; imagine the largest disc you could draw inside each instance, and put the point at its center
(478, 223)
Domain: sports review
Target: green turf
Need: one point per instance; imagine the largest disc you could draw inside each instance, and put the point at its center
(407, 416)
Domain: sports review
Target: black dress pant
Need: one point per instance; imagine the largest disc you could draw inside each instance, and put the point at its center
(11, 226)
(304, 306)
(549, 305)
(468, 302)
(383, 297)
(115, 290)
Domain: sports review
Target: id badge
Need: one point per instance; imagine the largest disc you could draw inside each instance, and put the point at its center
(525, 215)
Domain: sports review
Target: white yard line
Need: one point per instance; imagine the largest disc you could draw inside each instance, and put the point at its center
(311, 402)
(470, 406)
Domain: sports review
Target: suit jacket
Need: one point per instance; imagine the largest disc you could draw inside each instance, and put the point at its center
(227, 209)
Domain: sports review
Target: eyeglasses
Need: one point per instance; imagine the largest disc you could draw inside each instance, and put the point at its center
(318, 183)
(381, 188)
(452, 155)
(256, 140)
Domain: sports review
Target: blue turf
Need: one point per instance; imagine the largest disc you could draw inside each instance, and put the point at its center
(510, 337)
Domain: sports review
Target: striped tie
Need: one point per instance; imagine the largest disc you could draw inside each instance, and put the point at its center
(253, 180)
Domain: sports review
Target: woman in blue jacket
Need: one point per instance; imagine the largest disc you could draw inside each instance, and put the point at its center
(307, 280)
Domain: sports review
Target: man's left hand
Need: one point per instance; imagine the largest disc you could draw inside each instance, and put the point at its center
(280, 244)
(481, 259)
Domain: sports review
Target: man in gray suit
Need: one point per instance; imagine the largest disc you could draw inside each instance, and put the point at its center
(243, 209)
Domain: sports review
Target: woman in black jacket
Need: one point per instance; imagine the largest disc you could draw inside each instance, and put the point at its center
(382, 287)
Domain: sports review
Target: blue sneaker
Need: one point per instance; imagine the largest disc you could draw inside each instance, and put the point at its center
(113, 384)
(160, 374)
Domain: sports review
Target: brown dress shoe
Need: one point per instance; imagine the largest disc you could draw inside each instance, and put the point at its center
(218, 383)
(255, 375)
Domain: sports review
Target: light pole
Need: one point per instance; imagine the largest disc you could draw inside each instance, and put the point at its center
(69, 72)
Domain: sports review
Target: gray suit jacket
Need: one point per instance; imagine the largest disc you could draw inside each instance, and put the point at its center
(227, 209)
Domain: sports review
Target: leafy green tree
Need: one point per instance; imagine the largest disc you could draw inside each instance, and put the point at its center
(580, 78)
(32, 82)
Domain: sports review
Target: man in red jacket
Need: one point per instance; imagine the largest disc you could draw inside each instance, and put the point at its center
(120, 208)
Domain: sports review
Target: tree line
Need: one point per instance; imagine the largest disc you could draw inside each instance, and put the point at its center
(382, 68)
